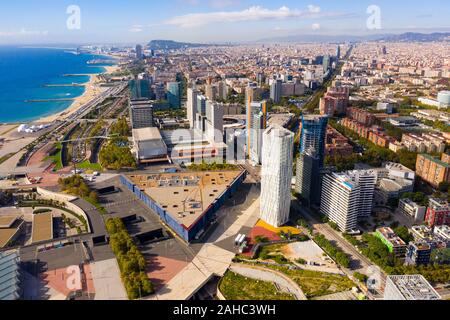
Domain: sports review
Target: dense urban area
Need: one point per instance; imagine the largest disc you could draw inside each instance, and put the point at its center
(239, 172)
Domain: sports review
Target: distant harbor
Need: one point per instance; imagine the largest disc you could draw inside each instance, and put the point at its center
(101, 61)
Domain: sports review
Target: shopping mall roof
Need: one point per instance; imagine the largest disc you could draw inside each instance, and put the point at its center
(186, 196)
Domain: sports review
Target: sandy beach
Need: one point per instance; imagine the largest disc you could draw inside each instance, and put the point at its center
(92, 89)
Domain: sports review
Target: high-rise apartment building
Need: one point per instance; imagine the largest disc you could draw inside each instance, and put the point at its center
(366, 179)
(191, 106)
(214, 121)
(256, 124)
(141, 114)
(276, 90)
(340, 200)
(277, 158)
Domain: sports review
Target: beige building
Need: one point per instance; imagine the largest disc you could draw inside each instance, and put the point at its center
(433, 170)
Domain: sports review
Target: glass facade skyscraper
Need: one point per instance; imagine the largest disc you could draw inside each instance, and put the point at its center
(313, 136)
(174, 94)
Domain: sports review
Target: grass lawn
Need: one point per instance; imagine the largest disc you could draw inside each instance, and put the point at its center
(56, 158)
(87, 165)
(237, 287)
(317, 284)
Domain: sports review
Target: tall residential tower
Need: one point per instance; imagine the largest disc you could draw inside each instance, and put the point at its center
(277, 160)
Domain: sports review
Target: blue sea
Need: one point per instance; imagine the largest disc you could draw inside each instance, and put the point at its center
(24, 72)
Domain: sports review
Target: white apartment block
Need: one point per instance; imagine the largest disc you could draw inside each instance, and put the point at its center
(277, 162)
(366, 179)
(443, 232)
(412, 209)
(340, 200)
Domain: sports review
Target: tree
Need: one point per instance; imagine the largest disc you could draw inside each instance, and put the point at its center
(404, 234)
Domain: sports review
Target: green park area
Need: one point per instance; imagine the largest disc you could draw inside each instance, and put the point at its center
(87, 165)
(236, 287)
(56, 157)
(316, 284)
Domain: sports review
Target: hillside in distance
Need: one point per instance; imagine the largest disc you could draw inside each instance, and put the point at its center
(173, 45)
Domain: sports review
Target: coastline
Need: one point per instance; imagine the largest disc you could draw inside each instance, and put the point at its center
(92, 89)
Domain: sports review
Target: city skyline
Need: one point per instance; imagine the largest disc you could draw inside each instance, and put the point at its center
(209, 21)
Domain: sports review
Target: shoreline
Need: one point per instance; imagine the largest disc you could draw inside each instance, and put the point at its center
(92, 89)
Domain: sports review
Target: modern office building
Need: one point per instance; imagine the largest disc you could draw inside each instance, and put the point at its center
(393, 242)
(277, 161)
(276, 90)
(191, 107)
(139, 52)
(418, 253)
(338, 52)
(409, 287)
(313, 135)
(159, 91)
(339, 200)
(256, 124)
(326, 63)
(141, 113)
(140, 89)
(438, 213)
(174, 94)
(308, 180)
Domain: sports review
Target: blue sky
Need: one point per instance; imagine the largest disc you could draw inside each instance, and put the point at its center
(132, 21)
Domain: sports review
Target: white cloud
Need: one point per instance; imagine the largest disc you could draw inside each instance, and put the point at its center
(223, 3)
(136, 28)
(254, 13)
(23, 32)
(314, 9)
(315, 26)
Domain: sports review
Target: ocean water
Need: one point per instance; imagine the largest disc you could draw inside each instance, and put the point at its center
(24, 72)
